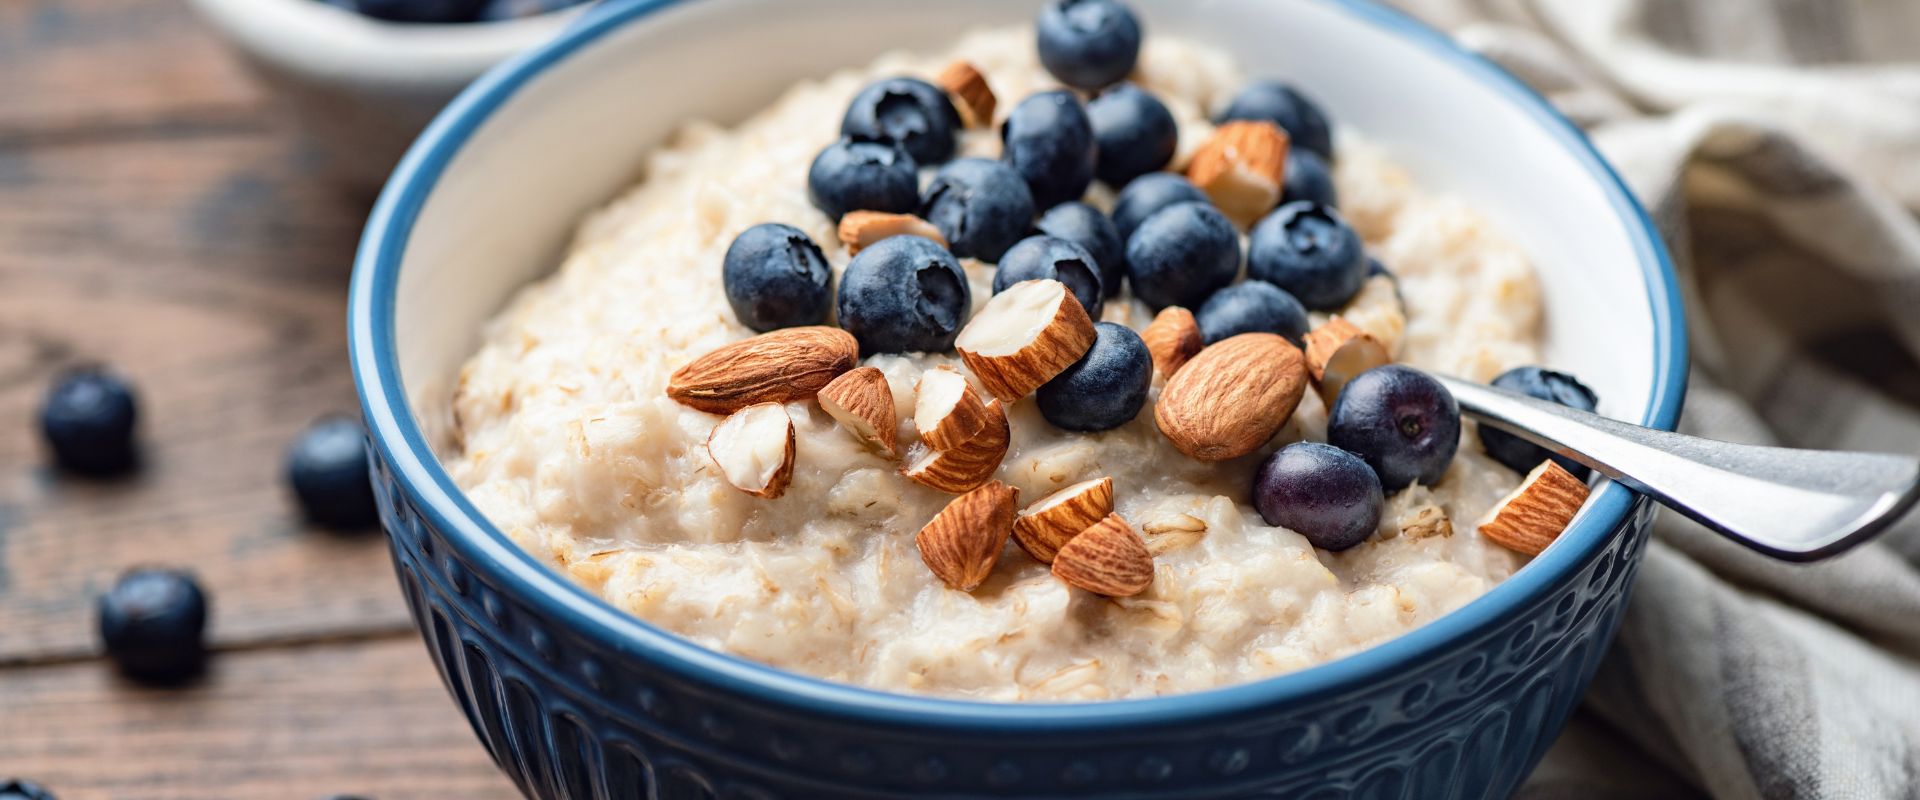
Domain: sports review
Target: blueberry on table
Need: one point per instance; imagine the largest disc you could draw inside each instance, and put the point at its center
(904, 294)
(1519, 454)
(1049, 141)
(909, 112)
(1084, 225)
(1088, 44)
(1399, 420)
(1104, 389)
(17, 789)
(88, 422)
(982, 207)
(1308, 250)
(856, 174)
(421, 10)
(1308, 179)
(327, 468)
(151, 624)
(776, 277)
(1182, 254)
(1306, 125)
(1136, 134)
(1049, 258)
(1252, 307)
(1321, 492)
(1149, 193)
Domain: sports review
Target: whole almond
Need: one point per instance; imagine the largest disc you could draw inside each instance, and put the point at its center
(1233, 397)
(1042, 528)
(1532, 516)
(1107, 558)
(862, 402)
(963, 542)
(1028, 333)
(776, 367)
(1173, 338)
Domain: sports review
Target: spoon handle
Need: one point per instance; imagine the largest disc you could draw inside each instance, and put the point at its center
(1796, 505)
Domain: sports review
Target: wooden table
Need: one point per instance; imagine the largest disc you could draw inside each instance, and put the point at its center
(156, 215)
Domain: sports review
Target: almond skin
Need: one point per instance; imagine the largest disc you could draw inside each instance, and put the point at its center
(971, 95)
(1532, 516)
(775, 367)
(748, 440)
(858, 229)
(1242, 168)
(1173, 338)
(1337, 351)
(947, 412)
(1042, 528)
(962, 468)
(963, 542)
(862, 402)
(1107, 558)
(1233, 397)
(1025, 335)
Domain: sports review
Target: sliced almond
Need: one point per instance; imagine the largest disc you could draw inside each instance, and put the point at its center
(1337, 351)
(963, 542)
(1107, 558)
(775, 367)
(1024, 336)
(862, 402)
(1425, 522)
(1232, 398)
(1242, 168)
(1172, 338)
(753, 448)
(970, 93)
(1530, 518)
(947, 412)
(962, 468)
(860, 229)
(1044, 526)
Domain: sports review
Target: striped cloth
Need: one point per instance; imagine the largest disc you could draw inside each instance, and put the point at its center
(1778, 144)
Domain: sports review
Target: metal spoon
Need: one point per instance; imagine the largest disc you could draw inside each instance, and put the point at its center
(1796, 505)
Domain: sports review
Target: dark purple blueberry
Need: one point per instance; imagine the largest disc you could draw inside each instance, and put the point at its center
(1182, 254)
(863, 175)
(328, 470)
(1149, 193)
(151, 624)
(776, 277)
(1088, 44)
(1306, 125)
(904, 294)
(1252, 307)
(1135, 132)
(1048, 258)
(88, 421)
(1519, 454)
(1308, 179)
(421, 10)
(1308, 250)
(1084, 225)
(981, 207)
(1104, 389)
(1321, 492)
(909, 112)
(1401, 421)
(17, 789)
(1049, 141)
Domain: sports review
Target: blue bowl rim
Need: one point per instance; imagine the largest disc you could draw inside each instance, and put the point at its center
(401, 443)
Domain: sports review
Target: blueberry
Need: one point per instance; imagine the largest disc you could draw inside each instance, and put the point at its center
(1105, 388)
(1308, 250)
(1308, 179)
(1084, 225)
(1088, 44)
(904, 294)
(862, 175)
(907, 111)
(421, 10)
(1306, 125)
(1135, 132)
(151, 623)
(1321, 492)
(1519, 454)
(327, 468)
(88, 422)
(1149, 193)
(17, 789)
(1401, 421)
(1049, 258)
(982, 207)
(1252, 307)
(776, 277)
(1182, 254)
(1049, 141)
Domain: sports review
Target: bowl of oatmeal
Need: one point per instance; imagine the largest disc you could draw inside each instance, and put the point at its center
(752, 421)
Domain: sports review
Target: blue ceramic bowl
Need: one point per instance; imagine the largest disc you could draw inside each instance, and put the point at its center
(577, 700)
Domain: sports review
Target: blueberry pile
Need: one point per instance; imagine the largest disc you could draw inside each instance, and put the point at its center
(451, 11)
